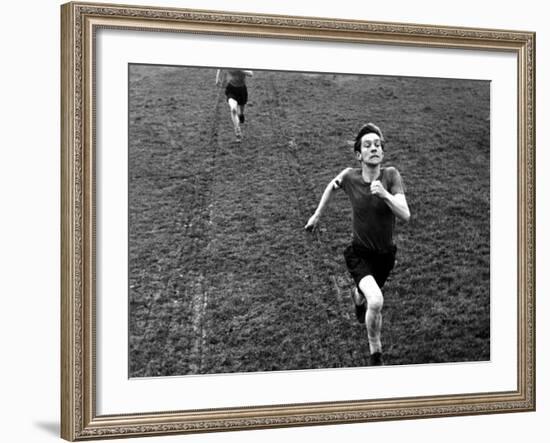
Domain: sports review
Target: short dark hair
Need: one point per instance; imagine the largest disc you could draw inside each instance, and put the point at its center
(367, 129)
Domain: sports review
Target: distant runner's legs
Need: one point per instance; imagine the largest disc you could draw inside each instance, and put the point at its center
(241, 113)
(234, 109)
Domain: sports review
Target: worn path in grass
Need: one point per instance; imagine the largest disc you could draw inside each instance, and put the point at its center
(222, 276)
(270, 308)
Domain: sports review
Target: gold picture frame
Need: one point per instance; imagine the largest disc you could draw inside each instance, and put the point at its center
(80, 21)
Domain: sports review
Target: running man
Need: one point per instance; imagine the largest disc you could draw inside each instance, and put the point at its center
(377, 196)
(236, 93)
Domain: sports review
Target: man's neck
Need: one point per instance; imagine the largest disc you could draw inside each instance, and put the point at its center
(370, 173)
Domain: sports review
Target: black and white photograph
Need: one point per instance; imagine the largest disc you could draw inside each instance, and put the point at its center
(283, 221)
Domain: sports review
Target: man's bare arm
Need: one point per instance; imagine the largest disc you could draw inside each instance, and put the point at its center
(218, 77)
(333, 186)
(397, 203)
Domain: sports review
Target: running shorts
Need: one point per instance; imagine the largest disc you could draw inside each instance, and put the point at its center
(362, 262)
(238, 93)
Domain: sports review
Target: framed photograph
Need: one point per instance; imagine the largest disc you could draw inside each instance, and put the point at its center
(275, 221)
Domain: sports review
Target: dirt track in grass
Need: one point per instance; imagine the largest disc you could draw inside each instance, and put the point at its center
(222, 276)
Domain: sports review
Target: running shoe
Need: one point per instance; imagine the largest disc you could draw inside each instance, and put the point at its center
(238, 134)
(376, 359)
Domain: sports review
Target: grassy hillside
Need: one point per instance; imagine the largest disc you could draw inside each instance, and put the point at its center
(222, 276)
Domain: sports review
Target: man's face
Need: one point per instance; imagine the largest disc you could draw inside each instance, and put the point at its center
(371, 150)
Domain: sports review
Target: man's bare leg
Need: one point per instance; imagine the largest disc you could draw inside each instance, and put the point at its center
(233, 107)
(375, 302)
(241, 113)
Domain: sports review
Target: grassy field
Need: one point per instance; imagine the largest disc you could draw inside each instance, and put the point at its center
(222, 276)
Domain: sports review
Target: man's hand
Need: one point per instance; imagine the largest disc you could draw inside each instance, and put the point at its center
(377, 188)
(219, 77)
(397, 202)
(312, 223)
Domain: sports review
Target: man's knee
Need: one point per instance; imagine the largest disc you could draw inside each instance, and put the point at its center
(233, 105)
(375, 303)
(373, 294)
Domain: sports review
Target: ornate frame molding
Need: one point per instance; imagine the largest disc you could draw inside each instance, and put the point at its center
(79, 22)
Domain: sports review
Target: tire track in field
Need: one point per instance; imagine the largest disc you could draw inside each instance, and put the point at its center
(255, 285)
(197, 289)
(201, 287)
(289, 168)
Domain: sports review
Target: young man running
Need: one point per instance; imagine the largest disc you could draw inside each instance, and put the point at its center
(236, 93)
(377, 196)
